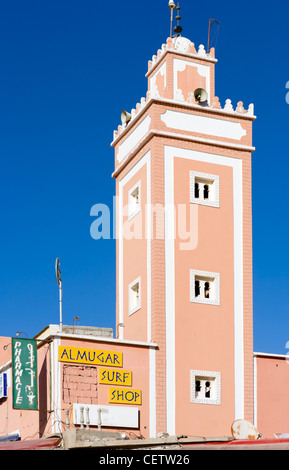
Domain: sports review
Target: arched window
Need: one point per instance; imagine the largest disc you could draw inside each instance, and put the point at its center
(204, 189)
(208, 389)
(207, 290)
(197, 288)
(134, 296)
(198, 387)
(204, 287)
(134, 205)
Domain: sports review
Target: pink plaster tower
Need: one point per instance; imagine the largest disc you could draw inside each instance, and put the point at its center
(184, 247)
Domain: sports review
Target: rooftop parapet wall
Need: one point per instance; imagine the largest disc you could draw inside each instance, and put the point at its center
(183, 47)
(228, 109)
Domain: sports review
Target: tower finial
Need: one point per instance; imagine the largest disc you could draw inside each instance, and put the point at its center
(178, 29)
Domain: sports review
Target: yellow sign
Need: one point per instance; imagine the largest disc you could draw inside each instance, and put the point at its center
(115, 377)
(124, 395)
(89, 356)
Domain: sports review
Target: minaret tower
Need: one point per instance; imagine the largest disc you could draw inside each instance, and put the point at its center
(184, 242)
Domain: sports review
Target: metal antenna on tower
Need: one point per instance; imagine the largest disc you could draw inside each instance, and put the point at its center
(59, 282)
(211, 22)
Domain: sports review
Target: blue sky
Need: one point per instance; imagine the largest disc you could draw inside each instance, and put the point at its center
(68, 68)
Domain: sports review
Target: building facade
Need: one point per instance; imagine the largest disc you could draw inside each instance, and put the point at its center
(182, 361)
(184, 254)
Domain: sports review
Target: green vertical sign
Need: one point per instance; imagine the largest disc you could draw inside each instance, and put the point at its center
(24, 374)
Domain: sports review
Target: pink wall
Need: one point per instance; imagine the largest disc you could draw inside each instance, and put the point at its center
(135, 259)
(272, 395)
(80, 382)
(32, 424)
(5, 349)
(205, 333)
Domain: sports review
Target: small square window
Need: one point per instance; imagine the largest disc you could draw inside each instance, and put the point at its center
(134, 296)
(134, 203)
(204, 287)
(204, 189)
(205, 387)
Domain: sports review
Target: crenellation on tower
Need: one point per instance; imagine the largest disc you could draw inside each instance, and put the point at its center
(173, 75)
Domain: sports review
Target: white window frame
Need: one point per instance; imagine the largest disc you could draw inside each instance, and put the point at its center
(214, 378)
(214, 189)
(134, 309)
(133, 212)
(204, 276)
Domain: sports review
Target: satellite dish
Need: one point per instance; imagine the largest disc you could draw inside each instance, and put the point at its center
(57, 271)
(243, 430)
(201, 95)
(125, 117)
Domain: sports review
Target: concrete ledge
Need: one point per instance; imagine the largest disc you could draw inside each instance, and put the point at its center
(87, 438)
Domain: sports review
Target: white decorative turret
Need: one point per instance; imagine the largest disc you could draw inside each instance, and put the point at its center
(201, 51)
(228, 106)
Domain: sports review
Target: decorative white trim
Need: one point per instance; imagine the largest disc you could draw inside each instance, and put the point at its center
(214, 181)
(156, 60)
(132, 140)
(255, 392)
(163, 71)
(206, 374)
(119, 134)
(55, 388)
(236, 164)
(215, 297)
(203, 125)
(131, 285)
(184, 137)
(179, 66)
(170, 289)
(152, 393)
(202, 51)
(201, 140)
(145, 160)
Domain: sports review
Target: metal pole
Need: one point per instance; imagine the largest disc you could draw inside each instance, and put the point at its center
(60, 304)
(58, 280)
(211, 22)
(172, 7)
